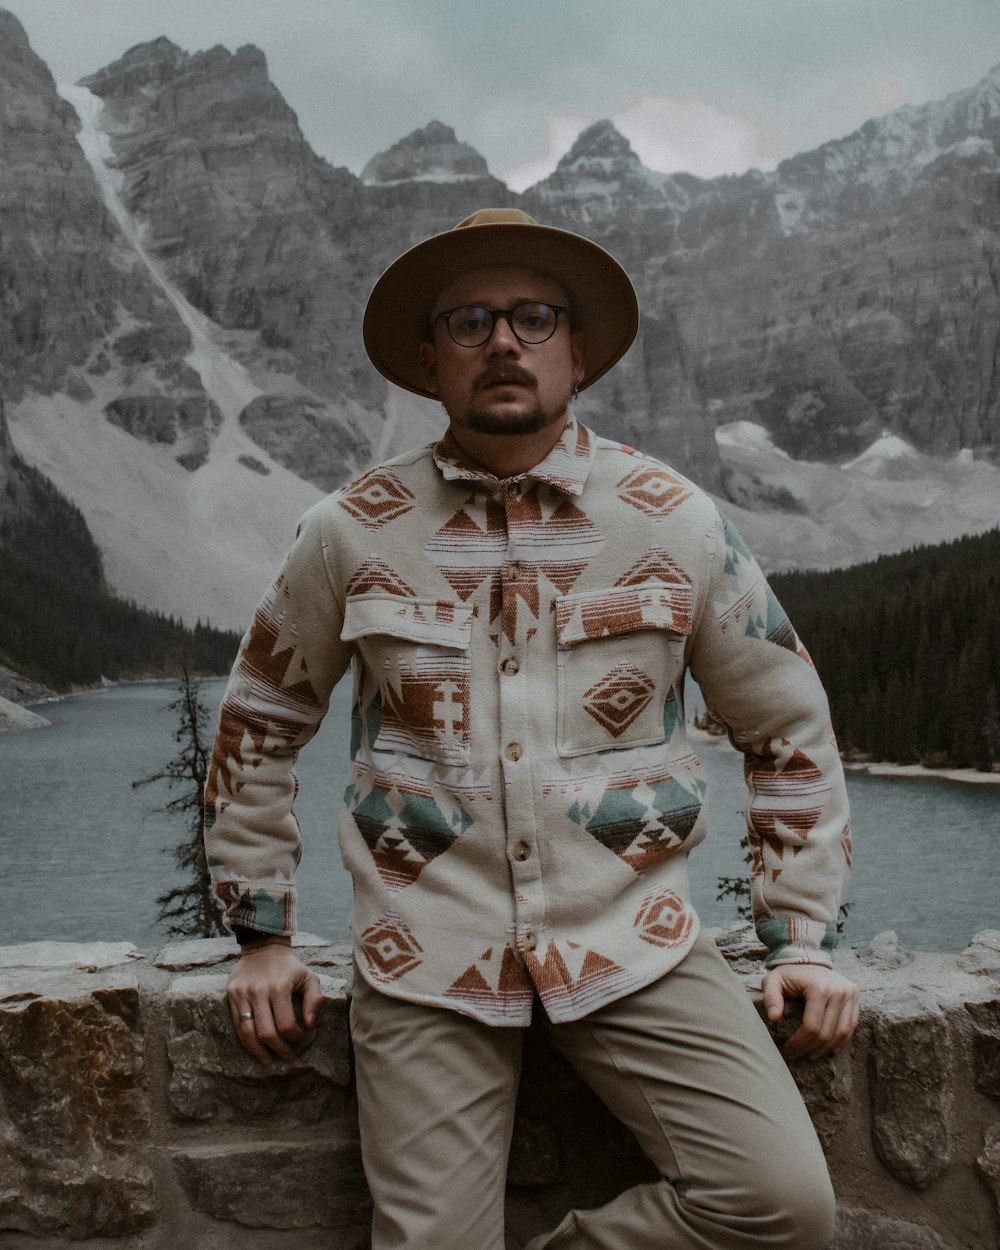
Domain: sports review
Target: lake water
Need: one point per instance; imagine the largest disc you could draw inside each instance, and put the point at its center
(84, 856)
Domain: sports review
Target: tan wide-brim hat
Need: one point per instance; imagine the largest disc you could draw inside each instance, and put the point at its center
(599, 293)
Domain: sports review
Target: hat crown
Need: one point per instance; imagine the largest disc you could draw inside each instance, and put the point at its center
(497, 217)
(598, 290)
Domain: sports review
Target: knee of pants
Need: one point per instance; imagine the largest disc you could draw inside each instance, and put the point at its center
(779, 1211)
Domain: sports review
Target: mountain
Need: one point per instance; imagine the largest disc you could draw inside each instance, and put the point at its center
(182, 281)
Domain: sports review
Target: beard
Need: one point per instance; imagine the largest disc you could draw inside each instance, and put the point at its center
(498, 420)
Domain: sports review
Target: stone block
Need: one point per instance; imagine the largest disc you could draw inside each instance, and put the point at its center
(982, 956)
(988, 1161)
(83, 956)
(911, 1065)
(985, 1015)
(277, 1184)
(825, 1084)
(866, 1230)
(203, 952)
(213, 1077)
(74, 1115)
(885, 952)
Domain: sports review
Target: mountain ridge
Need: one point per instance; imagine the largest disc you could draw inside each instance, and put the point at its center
(852, 291)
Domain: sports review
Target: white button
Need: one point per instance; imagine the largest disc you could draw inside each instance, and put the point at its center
(522, 851)
(513, 572)
(530, 941)
(513, 751)
(510, 667)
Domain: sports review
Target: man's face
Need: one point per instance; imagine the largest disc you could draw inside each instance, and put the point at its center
(503, 386)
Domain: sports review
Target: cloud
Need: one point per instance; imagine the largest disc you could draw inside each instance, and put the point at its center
(693, 136)
(669, 135)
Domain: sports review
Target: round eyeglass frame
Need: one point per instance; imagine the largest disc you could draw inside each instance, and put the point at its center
(508, 316)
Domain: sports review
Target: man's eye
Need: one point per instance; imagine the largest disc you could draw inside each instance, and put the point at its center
(533, 316)
(469, 320)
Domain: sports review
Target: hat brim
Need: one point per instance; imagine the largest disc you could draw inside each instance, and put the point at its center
(600, 295)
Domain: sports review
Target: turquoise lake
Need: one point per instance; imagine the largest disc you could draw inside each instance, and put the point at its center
(85, 855)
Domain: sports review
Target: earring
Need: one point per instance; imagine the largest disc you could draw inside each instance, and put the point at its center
(576, 388)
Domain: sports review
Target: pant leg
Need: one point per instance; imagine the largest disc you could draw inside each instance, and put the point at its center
(436, 1093)
(689, 1066)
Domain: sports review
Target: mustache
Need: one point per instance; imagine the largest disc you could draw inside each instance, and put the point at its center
(505, 371)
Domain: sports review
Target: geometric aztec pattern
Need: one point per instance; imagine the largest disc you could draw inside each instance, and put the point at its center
(789, 794)
(572, 976)
(619, 697)
(653, 489)
(377, 498)
(663, 919)
(390, 949)
(424, 818)
(643, 820)
(405, 828)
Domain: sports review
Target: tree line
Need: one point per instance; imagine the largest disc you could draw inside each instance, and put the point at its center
(62, 626)
(907, 647)
(906, 644)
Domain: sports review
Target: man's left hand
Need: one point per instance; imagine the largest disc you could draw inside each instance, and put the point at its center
(831, 1008)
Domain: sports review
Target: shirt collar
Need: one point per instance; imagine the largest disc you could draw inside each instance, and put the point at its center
(565, 468)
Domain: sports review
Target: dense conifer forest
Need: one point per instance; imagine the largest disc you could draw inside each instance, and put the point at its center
(61, 626)
(908, 647)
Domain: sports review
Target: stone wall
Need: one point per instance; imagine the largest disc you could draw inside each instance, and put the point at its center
(129, 1116)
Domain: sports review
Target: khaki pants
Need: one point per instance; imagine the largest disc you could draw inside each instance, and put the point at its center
(685, 1063)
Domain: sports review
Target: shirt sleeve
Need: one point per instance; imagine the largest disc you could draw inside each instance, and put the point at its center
(758, 679)
(278, 693)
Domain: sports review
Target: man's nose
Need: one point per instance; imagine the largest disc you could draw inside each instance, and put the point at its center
(503, 339)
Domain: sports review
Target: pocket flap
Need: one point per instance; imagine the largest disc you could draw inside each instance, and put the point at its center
(622, 610)
(438, 622)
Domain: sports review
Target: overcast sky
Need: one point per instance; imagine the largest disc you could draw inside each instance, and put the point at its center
(706, 86)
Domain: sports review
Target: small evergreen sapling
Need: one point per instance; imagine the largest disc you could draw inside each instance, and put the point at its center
(191, 909)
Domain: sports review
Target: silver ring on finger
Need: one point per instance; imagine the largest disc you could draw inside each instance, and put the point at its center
(246, 1015)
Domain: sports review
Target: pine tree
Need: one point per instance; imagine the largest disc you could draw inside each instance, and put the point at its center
(191, 908)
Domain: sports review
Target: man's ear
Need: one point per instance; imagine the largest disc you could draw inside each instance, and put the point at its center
(578, 351)
(428, 358)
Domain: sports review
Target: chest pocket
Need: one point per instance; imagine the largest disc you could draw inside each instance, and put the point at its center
(417, 651)
(619, 652)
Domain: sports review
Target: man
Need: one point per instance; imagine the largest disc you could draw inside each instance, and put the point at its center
(520, 603)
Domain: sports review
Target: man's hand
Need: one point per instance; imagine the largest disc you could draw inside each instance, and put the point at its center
(831, 1008)
(260, 992)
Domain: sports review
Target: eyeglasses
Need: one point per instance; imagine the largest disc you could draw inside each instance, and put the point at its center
(472, 325)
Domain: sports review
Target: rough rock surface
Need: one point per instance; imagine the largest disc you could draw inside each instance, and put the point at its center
(912, 1060)
(852, 291)
(982, 955)
(316, 442)
(988, 1161)
(432, 152)
(248, 1176)
(19, 689)
(75, 1112)
(213, 1078)
(861, 1230)
(308, 1184)
(13, 716)
(985, 1015)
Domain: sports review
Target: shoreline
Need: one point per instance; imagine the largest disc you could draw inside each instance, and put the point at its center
(882, 769)
(917, 772)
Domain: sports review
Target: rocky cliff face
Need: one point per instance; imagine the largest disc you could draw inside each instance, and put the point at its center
(853, 291)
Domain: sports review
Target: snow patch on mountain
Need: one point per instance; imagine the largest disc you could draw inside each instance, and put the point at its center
(748, 436)
(888, 457)
(856, 515)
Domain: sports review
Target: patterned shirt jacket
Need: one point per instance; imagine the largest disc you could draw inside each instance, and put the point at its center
(523, 796)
